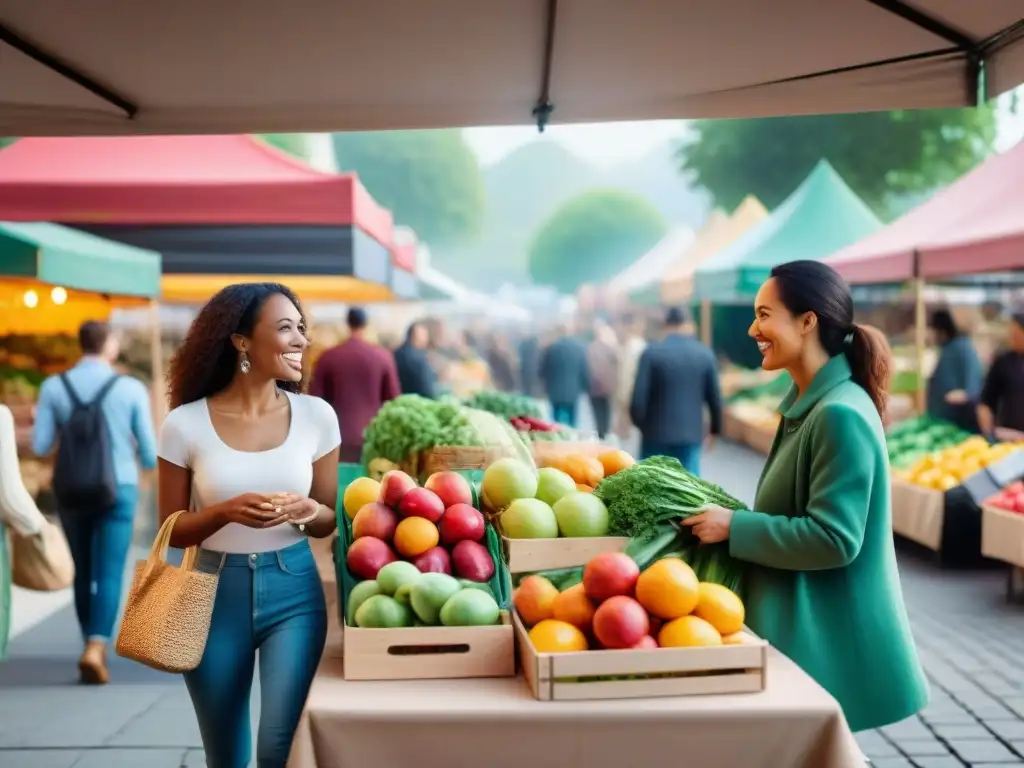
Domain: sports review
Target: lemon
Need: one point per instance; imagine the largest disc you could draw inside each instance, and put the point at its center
(688, 632)
(720, 607)
(359, 493)
(554, 636)
(668, 589)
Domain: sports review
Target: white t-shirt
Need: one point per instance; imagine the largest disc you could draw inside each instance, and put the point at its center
(219, 472)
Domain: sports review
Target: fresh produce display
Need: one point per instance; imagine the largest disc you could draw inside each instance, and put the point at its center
(550, 502)
(424, 554)
(617, 605)
(951, 466)
(910, 440)
(505, 405)
(1011, 498)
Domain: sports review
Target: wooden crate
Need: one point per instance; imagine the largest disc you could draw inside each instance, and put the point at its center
(918, 513)
(732, 426)
(529, 555)
(453, 457)
(1002, 535)
(662, 672)
(422, 653)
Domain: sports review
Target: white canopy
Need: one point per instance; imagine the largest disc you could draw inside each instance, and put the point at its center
(649, 268)
(235, 66)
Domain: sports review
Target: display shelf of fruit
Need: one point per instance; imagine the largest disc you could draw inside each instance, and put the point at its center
(421, 572)
(505, 405)
(1010, 499)
(548, 518)
(952, 466)
(911, 440)
(1002, 532)
(623, 632)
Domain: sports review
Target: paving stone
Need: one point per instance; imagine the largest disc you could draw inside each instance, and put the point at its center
(998, 765)
(891, 762)
(937, 762)
(922, 747)
(1008, 729)
(194, 758)
(879, 749)
(982, 751)
(911, 728)
(131, 758)
(958, 732)
(39, 758)
(948, 716)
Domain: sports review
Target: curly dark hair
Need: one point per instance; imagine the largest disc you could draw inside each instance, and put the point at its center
(206, 361)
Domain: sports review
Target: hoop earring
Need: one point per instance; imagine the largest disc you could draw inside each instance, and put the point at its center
(244, 365)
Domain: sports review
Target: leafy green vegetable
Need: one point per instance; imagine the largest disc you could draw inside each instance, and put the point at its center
(410, 424)
(505, 404)
(653, 491)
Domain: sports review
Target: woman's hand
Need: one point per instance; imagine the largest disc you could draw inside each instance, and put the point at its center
(253, 510)
(297, 510)
(956, 397)
(712, 525)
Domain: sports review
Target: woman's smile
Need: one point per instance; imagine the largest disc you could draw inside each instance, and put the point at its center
(294, 360)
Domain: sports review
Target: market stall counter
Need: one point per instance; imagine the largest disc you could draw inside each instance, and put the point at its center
(793, 723)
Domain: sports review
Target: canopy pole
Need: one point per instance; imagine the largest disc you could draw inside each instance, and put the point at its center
(920, 335)
(65, 70)
(542, 111)
(159, 386)
(705, 321)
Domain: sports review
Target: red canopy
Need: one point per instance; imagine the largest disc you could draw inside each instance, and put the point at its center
(404, 248)
(152, 180)
(974, 225)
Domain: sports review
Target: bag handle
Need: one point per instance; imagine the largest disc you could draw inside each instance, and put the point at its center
(162, 542)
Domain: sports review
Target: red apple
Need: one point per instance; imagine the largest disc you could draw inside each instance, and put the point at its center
(436, 560)
(472, 561)
(393, 487)
(621, 622)
(647, 643)
(461, 522)
(419, 502)
(375, 520)
(366, 556)
(608, 575)
(451, 487)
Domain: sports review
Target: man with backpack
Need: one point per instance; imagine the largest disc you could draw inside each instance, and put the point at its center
(102, 426)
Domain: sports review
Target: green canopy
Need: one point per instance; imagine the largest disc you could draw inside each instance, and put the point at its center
(63, 256)
(820, 217)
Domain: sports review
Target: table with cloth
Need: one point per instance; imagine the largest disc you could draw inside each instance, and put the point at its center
(496, 722)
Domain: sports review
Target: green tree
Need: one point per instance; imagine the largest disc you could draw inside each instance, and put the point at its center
(294, 144)
(883, 156)
(593, 237)
(430, 180)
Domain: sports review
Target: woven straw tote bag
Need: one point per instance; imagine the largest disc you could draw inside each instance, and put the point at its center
(167, 615)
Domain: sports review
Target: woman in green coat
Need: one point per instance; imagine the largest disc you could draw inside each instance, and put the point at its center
(822, 583)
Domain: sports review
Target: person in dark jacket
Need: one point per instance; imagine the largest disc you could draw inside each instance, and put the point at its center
(675, 379)
(415, 373)
(1001, 410)
(356, 378)
(955, 385)
(529, 363)
(563, 371)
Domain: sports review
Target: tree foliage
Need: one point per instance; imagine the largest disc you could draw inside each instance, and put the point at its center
(593, 237)
(883, 156)
(295, 144)
(430, 180)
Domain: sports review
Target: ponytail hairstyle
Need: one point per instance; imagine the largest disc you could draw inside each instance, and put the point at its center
(811, 286)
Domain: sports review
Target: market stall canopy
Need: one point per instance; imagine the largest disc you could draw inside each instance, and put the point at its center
(648, 269)
(215, 205)
(974, 225)
(822, 215)
(52, 278)
(312, 289)
(718, 233)
(405, 248)
(95, 67)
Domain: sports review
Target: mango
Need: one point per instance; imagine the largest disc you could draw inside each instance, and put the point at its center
(429, 594)
(360, 593)
(383, 612)
(470, 608)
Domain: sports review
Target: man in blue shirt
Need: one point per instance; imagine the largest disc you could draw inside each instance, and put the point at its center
(99, 539)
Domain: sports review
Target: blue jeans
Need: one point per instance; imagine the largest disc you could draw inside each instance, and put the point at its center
(99, 543)
(564, 413)
(687, 453)
(271, 602)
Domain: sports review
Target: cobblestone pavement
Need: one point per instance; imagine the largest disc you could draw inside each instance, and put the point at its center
(970, 641)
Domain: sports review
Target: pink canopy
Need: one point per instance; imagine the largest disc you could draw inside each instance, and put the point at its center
(153, 180)
(974, 225)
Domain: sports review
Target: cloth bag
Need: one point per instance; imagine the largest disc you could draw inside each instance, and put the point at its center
(167, 615)
(42, 561)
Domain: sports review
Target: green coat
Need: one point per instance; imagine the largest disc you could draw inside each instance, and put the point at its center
(823, 586)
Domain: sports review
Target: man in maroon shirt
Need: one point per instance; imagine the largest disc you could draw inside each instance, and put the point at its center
(356, 378)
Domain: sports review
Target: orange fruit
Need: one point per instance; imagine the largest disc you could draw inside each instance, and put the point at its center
(688, 632)
(574, 607)
(615, 461)
(359, 493)
(736, 638)
(584, 470)
(414, 536)
(668, 589)
(534, 601)
(720, 607)
(552, 636)
(584, 488)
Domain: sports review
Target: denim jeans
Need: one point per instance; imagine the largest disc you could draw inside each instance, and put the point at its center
(687, 453)
(99, 543)
(564, 413)
(271, 602)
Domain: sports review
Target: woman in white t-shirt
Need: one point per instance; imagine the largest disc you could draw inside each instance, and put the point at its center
(256, 462)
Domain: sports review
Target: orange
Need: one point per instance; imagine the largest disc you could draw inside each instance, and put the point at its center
(688, 632)
(584, 470)
(584, 488)
(414, 536)
(534, 601)
(552, 636)
(574, 607)
(615, 461)
(359, 493)
(668, 589)
(736, 638)
(720, 607)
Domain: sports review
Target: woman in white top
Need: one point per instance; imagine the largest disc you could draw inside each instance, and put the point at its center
(17, 509)
(256, 462)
